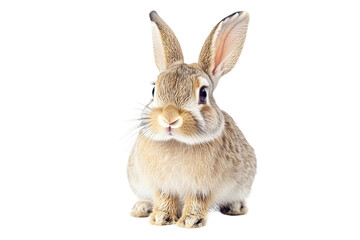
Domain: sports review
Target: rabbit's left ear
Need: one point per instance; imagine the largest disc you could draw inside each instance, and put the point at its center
(167, 48)
(223, 46)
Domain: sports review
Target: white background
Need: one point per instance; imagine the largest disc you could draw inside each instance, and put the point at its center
(74, 76)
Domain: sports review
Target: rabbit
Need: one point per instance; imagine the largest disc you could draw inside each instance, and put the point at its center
(189, 155)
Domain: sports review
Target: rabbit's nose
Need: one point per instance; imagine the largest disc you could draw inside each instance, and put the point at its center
(176, 122)
(173, 123)
(170, 117)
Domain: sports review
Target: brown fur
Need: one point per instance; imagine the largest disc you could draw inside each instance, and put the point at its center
(205, 160)
(178, 83)
(171, 46)
(206, 55)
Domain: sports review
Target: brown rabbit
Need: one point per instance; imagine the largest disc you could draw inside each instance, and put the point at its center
(189, 154)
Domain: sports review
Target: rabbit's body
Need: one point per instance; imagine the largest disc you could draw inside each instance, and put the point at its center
(189, 154)
(224, 167)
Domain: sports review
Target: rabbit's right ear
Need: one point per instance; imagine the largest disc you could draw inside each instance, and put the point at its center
(223, 46)
(167, 48)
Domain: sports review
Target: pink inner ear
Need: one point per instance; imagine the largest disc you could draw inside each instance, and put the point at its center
(225, 41)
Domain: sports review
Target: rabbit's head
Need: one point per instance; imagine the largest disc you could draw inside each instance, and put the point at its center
(183, 108)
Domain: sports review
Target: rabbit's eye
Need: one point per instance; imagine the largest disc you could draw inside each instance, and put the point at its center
(202, 95)
(153, 91)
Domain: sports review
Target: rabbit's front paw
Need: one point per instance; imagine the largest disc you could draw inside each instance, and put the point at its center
(191, 221)
(162, 218)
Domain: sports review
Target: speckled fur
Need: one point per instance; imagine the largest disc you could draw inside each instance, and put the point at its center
(206, 161)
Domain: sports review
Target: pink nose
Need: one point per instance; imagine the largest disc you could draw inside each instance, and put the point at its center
(173, 123)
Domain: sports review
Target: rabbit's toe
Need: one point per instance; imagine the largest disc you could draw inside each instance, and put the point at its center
(191, 221)
(162, 218)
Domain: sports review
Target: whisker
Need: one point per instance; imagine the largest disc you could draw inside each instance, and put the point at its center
(131, 130)
(137, 119)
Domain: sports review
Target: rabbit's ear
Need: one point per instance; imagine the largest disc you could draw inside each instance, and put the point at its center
(223, 46)
(167, 49)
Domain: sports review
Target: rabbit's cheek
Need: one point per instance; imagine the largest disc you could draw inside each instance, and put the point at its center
(188, 127)
(207, 112)
(210, 117)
